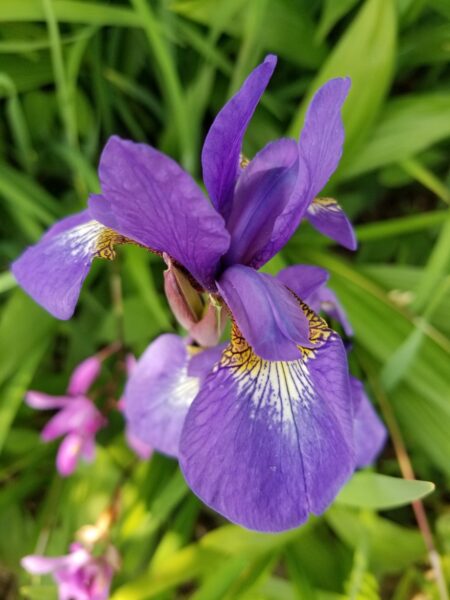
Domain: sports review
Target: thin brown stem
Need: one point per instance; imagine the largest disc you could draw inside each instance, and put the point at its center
(407, 471)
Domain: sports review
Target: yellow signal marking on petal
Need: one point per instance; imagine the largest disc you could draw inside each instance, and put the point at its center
(319, 331)
(275, 386)
(239, 352)
(106, 240)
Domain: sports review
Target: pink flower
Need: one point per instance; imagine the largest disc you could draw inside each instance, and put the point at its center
(77, 419)
(79, 575)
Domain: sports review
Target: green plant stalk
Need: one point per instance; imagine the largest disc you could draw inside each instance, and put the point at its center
(436, 268)
(400, 226)
(171, 86)
(427, 178)
(69, 11)
(251, 44)
(65, 98)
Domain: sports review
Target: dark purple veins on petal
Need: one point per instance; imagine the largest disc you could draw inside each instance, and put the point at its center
(150, 199)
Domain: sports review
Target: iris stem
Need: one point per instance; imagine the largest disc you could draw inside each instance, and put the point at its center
(407, 471)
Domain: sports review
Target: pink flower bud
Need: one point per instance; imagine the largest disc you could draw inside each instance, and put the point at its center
(186, 303)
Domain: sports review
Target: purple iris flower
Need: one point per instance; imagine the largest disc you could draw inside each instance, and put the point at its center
(235, 415)
(77, 419)
(79, 575)
(265, 436)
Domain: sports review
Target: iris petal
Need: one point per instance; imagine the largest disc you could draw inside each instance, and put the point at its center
(222, 147)
(262, 191)
(53, 270)
(267, 314)
(266, 443)
(303, 280)
(369, 431)
(308, 283)
(327, 216)
(161, 388)
(319, 152)
(147, 197)
(326, 300)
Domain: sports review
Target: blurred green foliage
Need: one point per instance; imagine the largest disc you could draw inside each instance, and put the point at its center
(72, 72)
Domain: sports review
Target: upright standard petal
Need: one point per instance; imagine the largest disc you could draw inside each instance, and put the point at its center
(150, 199)
(84, 376)
(160, 390)
(327, 216)
(369, 432)
(320, 149)
(267, 443)
(266, 312)
(262, 192)
(53, 270)
(223, 143)
(322, 137)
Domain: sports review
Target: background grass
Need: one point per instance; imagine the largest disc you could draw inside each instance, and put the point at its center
(72, 72)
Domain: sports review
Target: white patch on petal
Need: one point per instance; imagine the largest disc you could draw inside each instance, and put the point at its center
(91, 239)
(81, 240)
(183, 389)
(278, 389)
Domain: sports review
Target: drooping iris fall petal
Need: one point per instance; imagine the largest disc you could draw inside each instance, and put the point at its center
(267, 443)
(53, 270)
(161, 389)
(327, 216)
